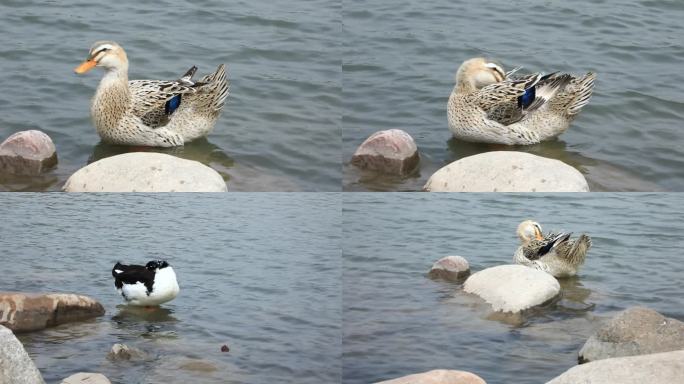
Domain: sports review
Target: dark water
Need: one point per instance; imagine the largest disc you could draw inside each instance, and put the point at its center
(400, 58)
(259, 273)
(398, 322)
(280, 130)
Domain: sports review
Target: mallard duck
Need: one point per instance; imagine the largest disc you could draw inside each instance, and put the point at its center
(146, 285)
(151, 112)
(554, 253)
(488, 105)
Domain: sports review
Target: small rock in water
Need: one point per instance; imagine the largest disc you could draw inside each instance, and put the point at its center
(634, 331)
(86, 378)
(27, 153)
(198, 366)
(145, 172)
(16, 367)
(506, 171)
(392, 151)
(512, 288)
(225, 348)
(438, 376)
(124, 352)
(23, 312)
(451, 268)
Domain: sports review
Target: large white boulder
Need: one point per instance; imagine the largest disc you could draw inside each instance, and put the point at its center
(506, 171)
(513, 288)
(634, 331)
(16, 366)
(438, 376)
(392, 151)
(657, 368)
(86, 378)
(145, 172)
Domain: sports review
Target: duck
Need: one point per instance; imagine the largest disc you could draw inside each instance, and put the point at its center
(151, 113)
(488, 105)
(554, 253)
(146, 285)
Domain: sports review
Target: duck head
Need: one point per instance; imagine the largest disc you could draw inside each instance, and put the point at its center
(156, 265)
(529, 230)
(106, 54)
(476, 73)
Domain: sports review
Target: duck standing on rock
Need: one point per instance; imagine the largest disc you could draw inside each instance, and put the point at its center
(554, 253)
(149, 285)
(488, 105)
(151, 113)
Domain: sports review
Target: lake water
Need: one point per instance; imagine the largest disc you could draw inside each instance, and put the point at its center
(280, 129)
(397, 321)
(400, 58)
(259, 273)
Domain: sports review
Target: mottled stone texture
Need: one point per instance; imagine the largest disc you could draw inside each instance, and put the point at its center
(145, 172)
(27, 153)
(23, 312)
(438, 376)
(634, 331)
(513, 288)
(450, 268)
(86, 378)
(506, 171)
(16, 366)
(392, 151)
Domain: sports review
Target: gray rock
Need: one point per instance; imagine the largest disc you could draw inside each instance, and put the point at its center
(145, 172)
(16, 366)
(513, 288)
(657, 368)
(392, 151)
(450, 268)
(86, 378)
(27, 153)
(634, 331)
(121, 352)
(438, 376)
(507, 171)
(23, 312)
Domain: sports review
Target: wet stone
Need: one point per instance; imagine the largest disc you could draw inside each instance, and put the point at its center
(392, 151)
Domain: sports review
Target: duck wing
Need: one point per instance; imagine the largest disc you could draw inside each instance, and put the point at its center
(503, 92)
(152, 95)
(132, 274)
(536, 249)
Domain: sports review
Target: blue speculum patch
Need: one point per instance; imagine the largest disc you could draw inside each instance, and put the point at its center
(527, 98)
(172, 104)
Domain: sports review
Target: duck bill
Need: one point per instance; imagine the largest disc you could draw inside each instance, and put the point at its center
(85, 66)
(539, 235)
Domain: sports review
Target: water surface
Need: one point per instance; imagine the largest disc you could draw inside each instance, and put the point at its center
(400, 58)
(398, 322)
(280, 129)
(258, 273)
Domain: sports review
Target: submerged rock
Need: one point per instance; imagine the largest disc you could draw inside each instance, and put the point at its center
(86, 378)
(23, 312)
(27, 153)
(506, 171)
(634, 331)
(145, 172)
(513, 288)
(198, 366)
(16, 366)
(657, 368)
(121, 352)
(450, 268)
(392, 151)
(438, 376)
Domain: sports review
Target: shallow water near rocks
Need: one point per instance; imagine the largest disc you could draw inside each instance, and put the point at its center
(400, 58)
(261, 276)
(280, 129)
(397, 321)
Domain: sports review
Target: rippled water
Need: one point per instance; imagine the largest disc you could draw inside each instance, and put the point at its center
(280, 130)
(398, 322)
(400, 58)
(259, 273)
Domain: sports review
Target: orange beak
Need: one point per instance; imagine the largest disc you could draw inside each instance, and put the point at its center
(85, 66)
(539, 235)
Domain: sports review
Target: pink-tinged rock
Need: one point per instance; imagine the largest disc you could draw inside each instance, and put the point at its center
(27, 153)
(24, 312)
(438, 376)
(450, 268)
(392, 151)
